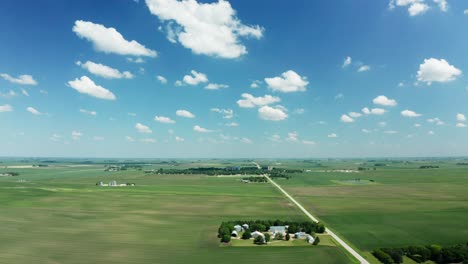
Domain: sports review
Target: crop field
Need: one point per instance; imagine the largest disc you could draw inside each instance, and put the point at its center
(397, 204)
(57, 214)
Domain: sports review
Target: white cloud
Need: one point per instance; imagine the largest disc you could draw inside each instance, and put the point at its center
(339, 96)
(299, 111)
(246, 140)
(460, 125)
(347, 62)
(382, 124)
(76, 135)
(373, 111)
(332, 135)
(275, 138)
(431, 133)
(179, 139)
(434, 70)
(6, 108)
(130, 139)
(136, 60)
(346, 119)
(227, 113)
(216, 86)
(292, 137)
(436, 121)
(178, 83)
(417, 9)
(461, 117)
(24, 92)
(232, 124)
(85, 85)
(364, 68)
(143, 129)
(195, 78)
(211, 29)
(354, 114)
(272, 113)
(391, 132)
(33, 111)
(163, 119)
(201, 129)
(249, 101)
(417, 125)
(465, 11)
(409, 113)
(148, 140)
(43, 92)
(367, 131)
(9, 94)
(255, 84)
(185, 113)
(383, 100)
(109, 40)
(308, 142)
(98, 138)
(162, 79)
(22, 79)
(55, 137)
(132, 114)
(289, 82)
(443, 5)
(104, 71)
(88, 112)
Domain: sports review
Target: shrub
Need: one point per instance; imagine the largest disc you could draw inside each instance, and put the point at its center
(382, 256)
(246, 235)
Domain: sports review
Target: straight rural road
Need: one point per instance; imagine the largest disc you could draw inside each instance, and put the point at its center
(339, 240)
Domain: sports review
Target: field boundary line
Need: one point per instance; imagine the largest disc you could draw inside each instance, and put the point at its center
(338, 239)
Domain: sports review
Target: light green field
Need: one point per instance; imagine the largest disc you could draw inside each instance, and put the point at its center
(405, 206)
(59, 216)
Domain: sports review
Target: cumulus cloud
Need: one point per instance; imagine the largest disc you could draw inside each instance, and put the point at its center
(104, 71)
(443, 5)
(109, 40)
(143, 129)
(364, 68)
(354, 114)
(161, 79)
(85, 85)
(435, 70)
(76, 135)
(409, 113)
(216, 86)
(88, 112)
(179, 139)
(136, 60)
(9, 94)
(383, 100)
(22, 79)
(292, 137)
(461, 117)
(289, 82)
(373, 111)
(129, 139)
(255, 84)
(460, 125)
(417, 9)
(200, 129)
(246, 140)
(211, 29)
(436, 121)
(227, 113)
(185, 113)
(347, 61)
(6, 108)
(232, 124)
(272, 113)
(33, 111)
(195, 78)
(346, 119)
(332, 135)
(163, 119)
(249, 101)
(367, 131)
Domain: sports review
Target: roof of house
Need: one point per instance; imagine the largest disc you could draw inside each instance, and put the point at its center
(277, 229)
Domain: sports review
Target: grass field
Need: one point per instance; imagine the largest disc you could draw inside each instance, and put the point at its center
(59, 216)
(406, 205)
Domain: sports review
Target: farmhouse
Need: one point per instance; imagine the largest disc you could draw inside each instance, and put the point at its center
(238, 228)
(114, 184)
(256, 234)
(278, 230)
(300, 235)
(245, 226)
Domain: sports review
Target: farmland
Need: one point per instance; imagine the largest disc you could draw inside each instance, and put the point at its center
(56, 214)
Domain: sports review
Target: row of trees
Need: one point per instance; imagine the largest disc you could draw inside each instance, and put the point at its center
(420, 254)
(255, 179)
(213, 171)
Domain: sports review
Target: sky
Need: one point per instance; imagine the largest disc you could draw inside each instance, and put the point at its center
(233, 79)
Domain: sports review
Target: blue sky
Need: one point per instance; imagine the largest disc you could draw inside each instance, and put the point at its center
(168, 78)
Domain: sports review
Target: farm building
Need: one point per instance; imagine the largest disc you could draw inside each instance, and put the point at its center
(234, 233)
(256, 234)
(300, 235)
(113, 183)
(238, 228)
(277, 230)
(245, 226)
(310, 239)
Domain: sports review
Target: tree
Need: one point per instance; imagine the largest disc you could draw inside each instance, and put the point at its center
(246, 235)
(320, 228)
(288, 237)
(259, 240)
(279, 236)
(316, 241)
(267, 237)
(226, 238)
(382, 256)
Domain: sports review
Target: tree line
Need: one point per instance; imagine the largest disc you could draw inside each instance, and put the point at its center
(438, 254)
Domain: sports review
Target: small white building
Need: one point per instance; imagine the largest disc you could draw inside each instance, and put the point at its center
(234, 233)
(245, 226)
(113, 183)
(238, 228)
(256, 234)
(310, 239)
(278, 230)
(300, 235)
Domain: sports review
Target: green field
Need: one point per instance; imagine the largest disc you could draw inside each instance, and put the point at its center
(405, 206)
(58, 215)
